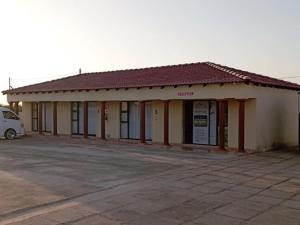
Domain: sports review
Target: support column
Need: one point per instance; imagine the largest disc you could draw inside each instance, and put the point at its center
(16, 108)
(142, 122)
(54, 125)
(11, 106)
(241, 126)
(85, 119)
(103, 120)
(222, 105)
(40, 118)
(166, 123)
(299, 131)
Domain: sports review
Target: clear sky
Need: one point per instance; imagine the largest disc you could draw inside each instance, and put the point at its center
(46, 39)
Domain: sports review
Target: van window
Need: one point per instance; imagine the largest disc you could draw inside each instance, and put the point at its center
(10, 115)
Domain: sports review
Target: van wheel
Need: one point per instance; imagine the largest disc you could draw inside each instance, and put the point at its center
(10, 134)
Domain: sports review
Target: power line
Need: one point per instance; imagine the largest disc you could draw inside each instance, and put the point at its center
(33, 78)
(47, 77)
(289, 77)
(39, 79)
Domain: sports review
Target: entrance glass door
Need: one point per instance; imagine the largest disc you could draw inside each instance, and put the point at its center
(134, 120)
(204, 122)
(201, 122)
(92, 111)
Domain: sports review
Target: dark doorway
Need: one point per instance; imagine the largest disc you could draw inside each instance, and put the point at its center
(188, 122)
(200, 122)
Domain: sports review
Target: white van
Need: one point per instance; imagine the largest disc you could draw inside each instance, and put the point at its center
(10, 124)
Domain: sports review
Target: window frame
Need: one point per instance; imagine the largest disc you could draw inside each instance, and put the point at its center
(15, 117)
(121, 118)
(34, 109)
(75, 119)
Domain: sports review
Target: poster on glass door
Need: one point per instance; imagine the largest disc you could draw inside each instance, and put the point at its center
(201, 122)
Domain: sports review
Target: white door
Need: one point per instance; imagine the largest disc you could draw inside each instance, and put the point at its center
(134, 120)
(148, 109)
(201, 122)
(92, 124)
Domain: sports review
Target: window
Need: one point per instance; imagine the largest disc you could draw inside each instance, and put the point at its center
(47, 117)
(75, 118)
(130, 117)
(124, 120)
(134, 120)
(10, 115)
(34, 118)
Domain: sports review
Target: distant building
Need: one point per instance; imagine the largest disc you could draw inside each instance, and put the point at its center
(200, 103)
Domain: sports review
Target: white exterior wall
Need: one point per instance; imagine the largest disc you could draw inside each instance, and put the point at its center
(64, 118)
(271, 114)
(113, 120)
(277, 118)
(175, 122)
(26, 116)
(157, 121)
(213, 91)
(250, 124)
(233, 119)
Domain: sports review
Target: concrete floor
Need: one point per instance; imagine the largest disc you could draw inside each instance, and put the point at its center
(49, 181)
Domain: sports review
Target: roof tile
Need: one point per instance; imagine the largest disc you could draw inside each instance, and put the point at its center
(184, 74)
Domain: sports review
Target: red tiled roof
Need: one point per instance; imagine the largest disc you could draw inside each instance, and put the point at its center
(185, 74)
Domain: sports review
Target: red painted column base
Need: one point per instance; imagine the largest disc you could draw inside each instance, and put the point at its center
(241, 126)
(85, 120)
(54, 105)
(142, 123)
(166, 123)
(103, 121)
(222, 105)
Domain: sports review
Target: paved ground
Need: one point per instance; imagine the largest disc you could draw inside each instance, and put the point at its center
(49, 181)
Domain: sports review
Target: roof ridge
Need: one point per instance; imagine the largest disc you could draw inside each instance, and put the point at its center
(219, 67)
(97, 73)
(44, 82)
(143, 68)
(268, 77)
(253, 73)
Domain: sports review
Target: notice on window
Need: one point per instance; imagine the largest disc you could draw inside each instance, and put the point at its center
(200, 122)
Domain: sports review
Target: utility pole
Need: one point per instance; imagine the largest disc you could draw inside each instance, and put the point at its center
(9, 83)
